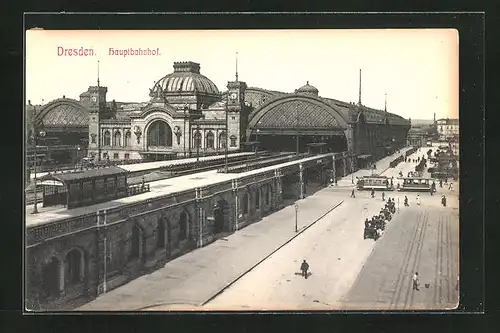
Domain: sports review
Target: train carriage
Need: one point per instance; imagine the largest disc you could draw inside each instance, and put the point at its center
(378, 183)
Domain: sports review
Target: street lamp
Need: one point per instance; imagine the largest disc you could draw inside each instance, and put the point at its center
(35, 137)
(296, 215)
(297, 139)
(226, 135)
(257, 141)
(184, 140)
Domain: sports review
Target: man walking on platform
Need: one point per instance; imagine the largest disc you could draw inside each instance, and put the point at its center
(352, 194)
(304, 267)
(415, 281)
(418, 200)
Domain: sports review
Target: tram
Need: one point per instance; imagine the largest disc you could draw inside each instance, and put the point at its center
(416, 184)
(380, 183)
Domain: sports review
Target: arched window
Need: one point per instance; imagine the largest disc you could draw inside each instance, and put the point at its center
(117, 139)
(74, 267)
(257, 199)
(244, 207)
(50, 277)
(197, 139)
(135, 243)
(210, 140)
(160, 230)
(183, 226)
(222, 140)
(107, 138)
(159, 134)
(128, 137)
(233, 141)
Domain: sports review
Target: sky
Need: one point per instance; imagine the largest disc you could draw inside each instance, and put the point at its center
(417, 68)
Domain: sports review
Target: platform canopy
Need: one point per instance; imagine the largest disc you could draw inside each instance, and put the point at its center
(85, 174)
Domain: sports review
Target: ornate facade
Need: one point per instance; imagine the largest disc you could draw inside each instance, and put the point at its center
(185, 116)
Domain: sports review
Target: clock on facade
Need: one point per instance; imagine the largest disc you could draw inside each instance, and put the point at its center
(94, 99)
(234, 96)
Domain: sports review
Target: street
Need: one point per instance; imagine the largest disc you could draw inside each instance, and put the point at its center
(349, 272)
(259, 266)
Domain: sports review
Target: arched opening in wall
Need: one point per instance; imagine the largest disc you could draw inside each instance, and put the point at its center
(117, 139)
(268, 194)
(128, 138)
(135, 243)
(257, 198)
(160, 234)
(210, 140)
(221, 216)
(51, 278)
(74, 267)
(183, 226)
(244, 203)
(222, 140)
(107, 138)
(197, 139)
(159, 134)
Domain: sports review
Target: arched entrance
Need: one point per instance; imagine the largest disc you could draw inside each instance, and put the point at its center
(159, 135)
(74, 271)
(221, 216)
(135, 243)
(160, 230)
(50, 278)
(183, 226)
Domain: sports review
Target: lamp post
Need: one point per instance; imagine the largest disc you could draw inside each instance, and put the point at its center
(256, 141)
(198, 142)
(296, 216)
(185, 109)
(226, 136)
(36, 135)
(297, 139)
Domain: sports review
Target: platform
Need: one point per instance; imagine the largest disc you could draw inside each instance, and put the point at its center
(138, 167)
(157, 189)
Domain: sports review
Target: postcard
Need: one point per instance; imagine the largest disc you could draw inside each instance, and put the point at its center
(241, 170)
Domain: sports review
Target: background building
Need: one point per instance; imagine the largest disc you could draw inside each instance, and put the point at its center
(448, 129)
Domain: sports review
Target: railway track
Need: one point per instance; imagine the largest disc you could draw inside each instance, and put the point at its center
(403, 289)
(171, 173)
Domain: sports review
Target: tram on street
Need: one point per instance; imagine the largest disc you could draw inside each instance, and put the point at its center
(380, 183)
(416, 184)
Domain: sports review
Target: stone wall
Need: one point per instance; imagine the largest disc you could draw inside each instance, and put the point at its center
(120, 244)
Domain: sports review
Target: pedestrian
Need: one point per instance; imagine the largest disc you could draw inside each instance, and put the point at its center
(418, 200)
(352, 194)
(373, 193)
(304, 267)
(383, 196)
(440, 183)
(443, 201)
(451, 187)
(406, 202)
(367, 223)
(415, 281)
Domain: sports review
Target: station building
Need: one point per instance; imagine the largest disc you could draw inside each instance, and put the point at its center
(186, 116)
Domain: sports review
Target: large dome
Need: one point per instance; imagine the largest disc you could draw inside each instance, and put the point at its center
(185, 78)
